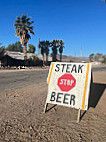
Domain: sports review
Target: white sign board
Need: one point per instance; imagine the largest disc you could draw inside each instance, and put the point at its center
(69, 84)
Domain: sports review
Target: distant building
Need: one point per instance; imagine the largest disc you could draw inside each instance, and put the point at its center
(17, 58)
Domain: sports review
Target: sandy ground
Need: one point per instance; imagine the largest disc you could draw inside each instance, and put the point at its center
(22, 118)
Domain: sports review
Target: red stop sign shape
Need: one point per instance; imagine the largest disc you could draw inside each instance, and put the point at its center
(66, 82)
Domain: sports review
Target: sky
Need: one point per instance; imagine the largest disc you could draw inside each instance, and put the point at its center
(79, 23)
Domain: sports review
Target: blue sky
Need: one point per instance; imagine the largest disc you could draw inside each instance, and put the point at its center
(77, 22)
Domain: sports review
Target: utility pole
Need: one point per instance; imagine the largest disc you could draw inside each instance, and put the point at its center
(39, 50)
(81, 50)
(75, 54)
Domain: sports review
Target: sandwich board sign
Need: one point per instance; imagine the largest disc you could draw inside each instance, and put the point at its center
(69, 84)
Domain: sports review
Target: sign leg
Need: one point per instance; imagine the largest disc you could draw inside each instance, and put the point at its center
(45, 108)
(79, 114)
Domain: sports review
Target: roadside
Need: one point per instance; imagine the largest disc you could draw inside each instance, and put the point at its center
(99, 66)
(26, 69)
(22, 118)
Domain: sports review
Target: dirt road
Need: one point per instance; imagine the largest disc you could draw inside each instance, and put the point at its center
(22, 118)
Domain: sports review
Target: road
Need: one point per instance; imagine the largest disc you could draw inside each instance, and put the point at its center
(99, 68)
(18, 79)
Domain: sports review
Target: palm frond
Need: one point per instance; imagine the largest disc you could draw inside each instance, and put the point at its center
(23, 27)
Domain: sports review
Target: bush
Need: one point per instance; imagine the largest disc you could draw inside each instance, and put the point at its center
(35, 61)
(71, 61)
(104, 61)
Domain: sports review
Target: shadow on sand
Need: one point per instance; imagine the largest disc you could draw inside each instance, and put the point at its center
(96, 91)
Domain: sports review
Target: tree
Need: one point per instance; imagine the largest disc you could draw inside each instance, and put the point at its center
(104, 59)
(92, 57)
(54, 45)
(32, 48)
(42, 47)
(2, 50)
(61, 46)
(98, 57)
(17, 47)
(23, 28)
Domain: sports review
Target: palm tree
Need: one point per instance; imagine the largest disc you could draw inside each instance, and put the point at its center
(32, 48)
(42, 47)
(61, 46)
(47, 44)
(54, 45)
(2, 51)
(23, 28)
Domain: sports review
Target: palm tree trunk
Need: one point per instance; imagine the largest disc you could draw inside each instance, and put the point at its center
(54, 57)
(25, 52)
(0, 63)
(46, 59)
(25, 56)
(60, 57)
(43, 61)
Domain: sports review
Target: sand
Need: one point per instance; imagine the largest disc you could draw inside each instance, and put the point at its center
(22, 118)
